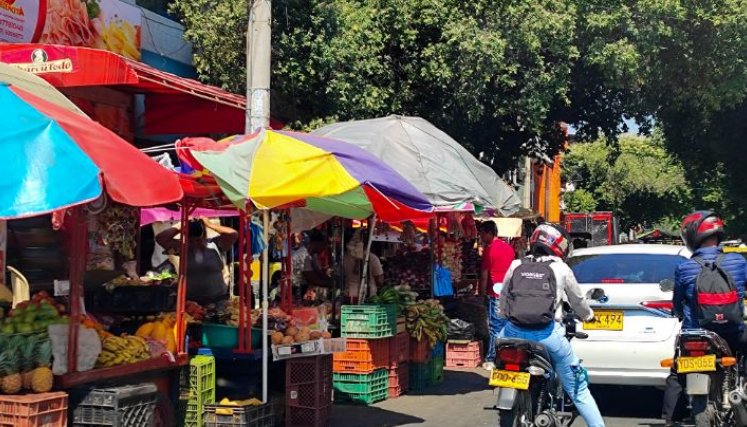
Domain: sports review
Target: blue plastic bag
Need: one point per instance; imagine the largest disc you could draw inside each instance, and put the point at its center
(442, 284)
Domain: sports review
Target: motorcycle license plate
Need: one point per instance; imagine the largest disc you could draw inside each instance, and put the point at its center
(508, 379)
(606, 321)
(696, 364)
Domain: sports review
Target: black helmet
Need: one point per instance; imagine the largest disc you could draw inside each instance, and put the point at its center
(552, 238)
(699, 226)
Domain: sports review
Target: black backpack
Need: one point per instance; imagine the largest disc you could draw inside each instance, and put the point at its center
(716, 295)
(531, 297)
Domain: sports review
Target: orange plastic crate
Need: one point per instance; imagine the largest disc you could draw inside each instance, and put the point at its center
(34, 410)
(362, 356)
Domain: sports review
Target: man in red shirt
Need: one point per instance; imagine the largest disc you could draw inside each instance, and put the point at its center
(497, 256)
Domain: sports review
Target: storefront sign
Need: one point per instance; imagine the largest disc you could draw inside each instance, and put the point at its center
(42, 60)
(102, 24)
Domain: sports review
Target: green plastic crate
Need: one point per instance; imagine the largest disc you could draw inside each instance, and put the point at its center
(197, 389)
(369, 321)
(366, 389)
(437, 372)
(421, 375)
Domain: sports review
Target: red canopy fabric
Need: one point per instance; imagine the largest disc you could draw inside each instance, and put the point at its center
(130, 177)
(173, 104)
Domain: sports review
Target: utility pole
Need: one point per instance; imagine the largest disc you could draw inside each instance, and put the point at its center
(258, 57)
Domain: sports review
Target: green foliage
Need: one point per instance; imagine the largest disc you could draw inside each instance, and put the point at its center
(644, 184)
(580, 201)
(500, 75)
(488, 72)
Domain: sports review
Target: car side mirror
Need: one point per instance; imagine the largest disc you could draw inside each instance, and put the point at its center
(666, 285)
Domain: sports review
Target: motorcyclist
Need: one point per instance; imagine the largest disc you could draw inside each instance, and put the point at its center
(701, 232)
(551, 243)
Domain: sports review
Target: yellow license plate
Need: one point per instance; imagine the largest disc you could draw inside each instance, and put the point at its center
(696, 364)
(508, 379)
(606, 321)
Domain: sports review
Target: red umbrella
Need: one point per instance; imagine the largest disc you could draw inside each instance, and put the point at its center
(130, 177)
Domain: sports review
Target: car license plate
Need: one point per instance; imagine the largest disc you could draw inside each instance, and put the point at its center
(508, 379)
(696, 364)
(606, 321)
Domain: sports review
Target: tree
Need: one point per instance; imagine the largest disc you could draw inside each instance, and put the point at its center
(644, 185)
(500, 75)
(487, 72)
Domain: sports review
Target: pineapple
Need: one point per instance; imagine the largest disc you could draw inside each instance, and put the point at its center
(28, 357)
(42, 378)
(11, 381)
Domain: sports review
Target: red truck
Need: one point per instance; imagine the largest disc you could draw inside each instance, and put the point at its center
(592, 229)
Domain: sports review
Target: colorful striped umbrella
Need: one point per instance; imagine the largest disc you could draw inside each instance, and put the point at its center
(56, 157)
(275, 169)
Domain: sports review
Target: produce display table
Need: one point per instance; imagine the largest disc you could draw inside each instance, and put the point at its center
(77, 379)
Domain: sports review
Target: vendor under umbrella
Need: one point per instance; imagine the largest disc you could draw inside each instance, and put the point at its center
(205, 281)
(353, 265)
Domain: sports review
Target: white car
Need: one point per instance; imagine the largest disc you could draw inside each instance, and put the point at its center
(635, 329)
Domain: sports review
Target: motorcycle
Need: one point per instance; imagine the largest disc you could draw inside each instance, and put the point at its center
(529, 391)
(713, 377)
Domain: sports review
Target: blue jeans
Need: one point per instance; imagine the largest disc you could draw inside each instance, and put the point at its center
(566, 364)
(495, 325)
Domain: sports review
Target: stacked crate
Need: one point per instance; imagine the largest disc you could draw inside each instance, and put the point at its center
(308, 394)
(361, 373)
(197, 388)
(399, 368)
(426, 364)
(463, 354)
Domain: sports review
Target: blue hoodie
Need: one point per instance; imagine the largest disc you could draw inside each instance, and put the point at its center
(684, 287)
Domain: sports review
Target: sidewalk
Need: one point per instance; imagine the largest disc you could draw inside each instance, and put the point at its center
(459, 401)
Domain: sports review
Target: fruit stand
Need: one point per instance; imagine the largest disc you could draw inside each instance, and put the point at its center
(83, 162)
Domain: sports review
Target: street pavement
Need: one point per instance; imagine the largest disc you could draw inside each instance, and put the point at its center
(462, 399)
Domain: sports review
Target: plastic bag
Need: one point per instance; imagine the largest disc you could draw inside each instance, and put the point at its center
(461, 330)
(442, 286)
(89, 348)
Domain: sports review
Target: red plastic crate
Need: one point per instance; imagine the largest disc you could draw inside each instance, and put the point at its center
(468, 351)
(420, 351)
(308, 382)
(363, 356)
(400, 375)
(34, 410)
(305, 417)
(399, 350)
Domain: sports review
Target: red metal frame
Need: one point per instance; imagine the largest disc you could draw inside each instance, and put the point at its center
(245, 282)
(79, 252)
(286, 288)
(78, 255)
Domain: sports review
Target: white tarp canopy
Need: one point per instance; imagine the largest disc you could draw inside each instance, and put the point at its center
(444, 171)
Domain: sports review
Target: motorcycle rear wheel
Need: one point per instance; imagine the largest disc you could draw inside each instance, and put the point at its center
(522, 414)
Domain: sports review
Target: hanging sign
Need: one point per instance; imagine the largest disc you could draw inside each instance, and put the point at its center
(102, 24)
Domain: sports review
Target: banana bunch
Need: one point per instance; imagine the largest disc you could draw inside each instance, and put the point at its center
(122, 350)
(427, 319)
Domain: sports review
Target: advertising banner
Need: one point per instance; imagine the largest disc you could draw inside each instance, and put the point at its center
(102, 24)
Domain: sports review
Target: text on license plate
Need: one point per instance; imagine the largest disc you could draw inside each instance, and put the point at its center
(605, 321)
(696, 364)
(508, 379)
